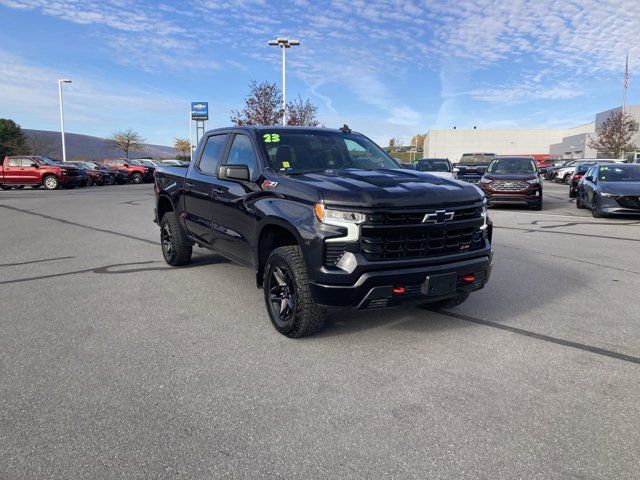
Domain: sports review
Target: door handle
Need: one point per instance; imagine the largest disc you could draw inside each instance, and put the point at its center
(188, 184)
(217, 191)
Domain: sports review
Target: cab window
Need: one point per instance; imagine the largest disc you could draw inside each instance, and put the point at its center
(15, 162)
(27, 162)
(242, 153)
(212, 154)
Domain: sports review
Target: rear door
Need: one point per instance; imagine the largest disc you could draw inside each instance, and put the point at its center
(199, 185)
(13, 172)
(233, 220)
(588, 185)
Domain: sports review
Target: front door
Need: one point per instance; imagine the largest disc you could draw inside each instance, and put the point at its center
(199, 186)
(233, 220)
(30, 173)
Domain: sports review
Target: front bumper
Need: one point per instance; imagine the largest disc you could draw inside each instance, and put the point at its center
(71, 181)
(385, 288)
(610, 206)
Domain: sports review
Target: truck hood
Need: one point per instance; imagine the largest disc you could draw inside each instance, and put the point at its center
(387, 188)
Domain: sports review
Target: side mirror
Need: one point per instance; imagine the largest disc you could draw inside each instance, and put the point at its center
(234, 173)
(589, 178)
(36, 165)
(126, 165)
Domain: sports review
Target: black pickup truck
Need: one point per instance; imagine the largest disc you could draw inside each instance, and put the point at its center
(327, 220)
(472, 166)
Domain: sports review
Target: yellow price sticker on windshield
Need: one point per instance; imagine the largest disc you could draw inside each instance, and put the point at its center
(271, 138)
(286, 164)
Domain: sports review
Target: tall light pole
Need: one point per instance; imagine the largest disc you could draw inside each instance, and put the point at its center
(60, 82)
(284, 43)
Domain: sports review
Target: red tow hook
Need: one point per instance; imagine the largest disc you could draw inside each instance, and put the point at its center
(470, 278)
(398, 290)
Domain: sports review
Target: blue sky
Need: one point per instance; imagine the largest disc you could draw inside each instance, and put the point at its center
(387, 68)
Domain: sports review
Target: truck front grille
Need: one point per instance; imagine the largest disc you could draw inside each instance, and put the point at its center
(433, 243)
(422, 233)
(508, 186)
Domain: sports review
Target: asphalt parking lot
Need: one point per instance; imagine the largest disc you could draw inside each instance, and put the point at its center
(114, 365)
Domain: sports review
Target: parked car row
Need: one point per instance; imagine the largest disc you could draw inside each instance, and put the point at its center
(20, 171)
(609, 189)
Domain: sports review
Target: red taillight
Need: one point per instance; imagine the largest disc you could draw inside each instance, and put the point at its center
(398, 290)
(468, 278)
(577, 177)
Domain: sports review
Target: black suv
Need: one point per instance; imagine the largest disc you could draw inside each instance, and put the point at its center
(327, 220)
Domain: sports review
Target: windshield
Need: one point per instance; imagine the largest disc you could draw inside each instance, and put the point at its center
(133, 162)
(512, 165)
(435, 165)
(477, 158)
(619, 173)
(293, 152)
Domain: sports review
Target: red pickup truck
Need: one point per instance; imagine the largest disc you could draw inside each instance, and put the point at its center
(138, 173)
(20, 170)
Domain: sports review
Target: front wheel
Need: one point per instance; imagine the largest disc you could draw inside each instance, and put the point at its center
(90, 182)
(137, 178)
(292, 310)
(176, 247)
(51, 182)
(5, 187)
(595, 208)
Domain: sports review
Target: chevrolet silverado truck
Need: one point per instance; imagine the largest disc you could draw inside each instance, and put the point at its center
(35, 171)
(471, 166)
(138, 173)
(326, 219)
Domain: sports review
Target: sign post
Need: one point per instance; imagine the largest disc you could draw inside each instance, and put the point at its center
(199, 114)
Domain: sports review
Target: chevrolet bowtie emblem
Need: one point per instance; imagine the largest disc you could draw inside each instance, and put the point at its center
(439, 216)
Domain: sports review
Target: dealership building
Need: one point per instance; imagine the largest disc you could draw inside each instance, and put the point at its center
(558, 142)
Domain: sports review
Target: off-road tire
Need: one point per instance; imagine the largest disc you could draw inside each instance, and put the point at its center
(137, 178)
(459, 298)
(307, 317)
(51, 182)
(178, 251)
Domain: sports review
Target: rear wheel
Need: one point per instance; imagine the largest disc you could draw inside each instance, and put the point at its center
(90, 182)
(51, 182)
(108, 180)
(572, 193)
(176, 247)
(137, 177)
(579, 203)
(291, 307)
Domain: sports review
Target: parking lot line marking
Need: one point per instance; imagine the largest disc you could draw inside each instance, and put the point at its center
(544, 338)
(75, 224)
(533, 230)
(33, 261)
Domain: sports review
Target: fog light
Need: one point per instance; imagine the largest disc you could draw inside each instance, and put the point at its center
(348, 262)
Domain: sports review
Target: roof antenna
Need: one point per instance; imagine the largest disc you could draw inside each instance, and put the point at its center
(345, 128)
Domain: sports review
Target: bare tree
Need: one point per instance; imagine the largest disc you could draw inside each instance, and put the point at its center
(183, 145)
(614, 135)
(302, 113)
(262, 106)
(41, 144)
(127, 141)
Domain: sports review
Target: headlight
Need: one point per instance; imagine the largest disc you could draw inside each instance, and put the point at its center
(341, 218)
(484, 180)
(328, 216)
(609, 195)
(484, 217)
(533, 181)
(456, 169)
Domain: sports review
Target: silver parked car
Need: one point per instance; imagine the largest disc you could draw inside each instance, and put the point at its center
(610, 189)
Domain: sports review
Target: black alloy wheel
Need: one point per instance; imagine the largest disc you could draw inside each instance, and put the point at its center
(90, 181)
(595, 207)
(137, 178)
(282, 296)
(176, 247)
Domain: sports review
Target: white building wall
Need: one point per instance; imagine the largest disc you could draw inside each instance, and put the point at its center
(453, 143)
